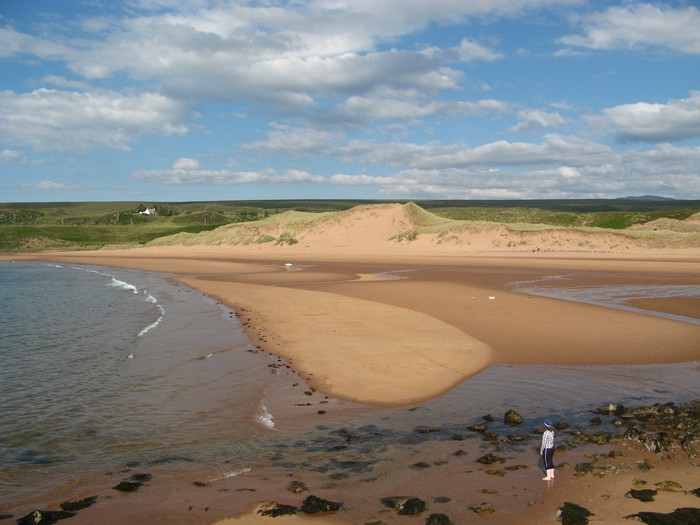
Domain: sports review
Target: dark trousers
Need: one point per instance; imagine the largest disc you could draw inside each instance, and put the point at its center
(548, 462)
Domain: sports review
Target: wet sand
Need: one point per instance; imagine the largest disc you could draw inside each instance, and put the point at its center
(395, 330)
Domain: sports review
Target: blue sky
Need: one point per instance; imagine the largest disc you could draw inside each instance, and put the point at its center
(179, 100)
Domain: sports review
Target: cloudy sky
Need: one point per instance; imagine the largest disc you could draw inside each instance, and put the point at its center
(175, 100)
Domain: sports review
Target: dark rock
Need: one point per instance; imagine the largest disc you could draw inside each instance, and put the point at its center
(490, 459)
(644, 495)
(437, 519)
(459, 453)
(406, 505)
(427, 430)
(683, 516)
(512, 418)
(489, 418)
(479, 427)
(420, 465)
(44, 517)
(273, 510)
(517, 438)
(5, 516)
(128, 486)
(572, 514)
(457, 437)
(644, 465)
(596, 421)
(612, 408)
(442, 499)
(141, 478)
(696, 492)
(584, 468)
(313, 504)
(74, 506)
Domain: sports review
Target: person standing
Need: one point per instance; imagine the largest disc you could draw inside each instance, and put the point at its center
(547, 449)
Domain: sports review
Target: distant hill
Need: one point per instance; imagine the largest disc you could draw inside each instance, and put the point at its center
(648, 198)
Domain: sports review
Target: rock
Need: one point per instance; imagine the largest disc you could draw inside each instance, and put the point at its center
(420, 465)
(482, 508)
(596, 421)
(44, 517)
(141, 478)
(74, 506)
(612, 408)
(313, 504)
(437, 519)
(512, 418)
(406, 505)
(682, 516)
(643, 465)
(668, 486)
(572, 514)
(584, 468)
(427, 430)
(479, 427)
(128, 486)
(273, 510)
(490, 459)
(696, 492)
(296, 487)
(644, 495)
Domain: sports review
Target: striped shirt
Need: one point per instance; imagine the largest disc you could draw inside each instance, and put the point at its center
(547, 440)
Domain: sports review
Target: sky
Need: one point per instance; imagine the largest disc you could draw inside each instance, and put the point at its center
(201, 100)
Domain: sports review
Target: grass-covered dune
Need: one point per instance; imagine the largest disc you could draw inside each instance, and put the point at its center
(93, 225)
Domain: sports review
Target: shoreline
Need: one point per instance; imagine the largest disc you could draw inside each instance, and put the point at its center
(434, 293)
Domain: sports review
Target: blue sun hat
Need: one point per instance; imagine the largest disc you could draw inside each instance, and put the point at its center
(548, 423)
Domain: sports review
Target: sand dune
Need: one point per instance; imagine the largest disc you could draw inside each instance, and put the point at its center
(408, 229)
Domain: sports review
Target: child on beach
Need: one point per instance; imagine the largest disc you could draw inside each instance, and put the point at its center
(547, 449)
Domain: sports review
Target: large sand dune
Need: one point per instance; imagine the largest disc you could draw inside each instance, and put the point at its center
(408, 229)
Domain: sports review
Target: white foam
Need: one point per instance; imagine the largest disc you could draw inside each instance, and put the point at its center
(232, 474)
(154, 323)
(264, 417)
(121, 284)
(150, 299)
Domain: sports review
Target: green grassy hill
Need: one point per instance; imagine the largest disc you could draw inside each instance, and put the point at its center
(92, 225)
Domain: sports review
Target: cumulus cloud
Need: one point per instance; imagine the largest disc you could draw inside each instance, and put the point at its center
(185, 163)
(55, 120)
(10, 155)
(225, 176)
(633, 25)
(534, 119)
(645, 122)
(51, 186)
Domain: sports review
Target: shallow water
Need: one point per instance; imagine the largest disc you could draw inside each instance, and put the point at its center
(101, 367)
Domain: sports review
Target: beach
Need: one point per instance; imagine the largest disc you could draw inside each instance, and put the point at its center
(390, 325)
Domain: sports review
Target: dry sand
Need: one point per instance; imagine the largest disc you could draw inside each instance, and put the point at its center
(384, 322)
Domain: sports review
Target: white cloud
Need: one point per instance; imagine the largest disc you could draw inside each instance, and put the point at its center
(10, 155)
(53, 120)
(185, 163)
(644, 122)
(633, 25)
(51, 186)
(197, 176)
(534, 119)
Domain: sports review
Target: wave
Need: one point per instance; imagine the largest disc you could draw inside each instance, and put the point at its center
(154, 323)
(231, 474)
(264, 417)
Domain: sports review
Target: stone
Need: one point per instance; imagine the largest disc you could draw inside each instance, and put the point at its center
(572, 514)
(128, 486)
(44, 517)
(682, 516)
(74, 506)
(482, 508)
(437, 519)
(490, 459)
(406, 505)
(296, 487)
(313, 504)
(512, 418)
(584, 468)
(668, 486)
(273, 510)
(644, 495)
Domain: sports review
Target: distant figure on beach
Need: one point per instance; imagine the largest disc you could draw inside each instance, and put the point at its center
(547, 449)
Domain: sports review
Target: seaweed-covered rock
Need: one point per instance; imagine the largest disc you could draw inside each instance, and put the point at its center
(74, 506)
(44, 517)
(437, 519)
(644, 495)
(512, 418)
(482, 508)
(406, 505)
(682, 516)
(572, 514)
(128, 486)
(612, 408)
(479, 427)
(584, 468)
(490, 459)
(297, 486)
(313, 504)
(273, 510)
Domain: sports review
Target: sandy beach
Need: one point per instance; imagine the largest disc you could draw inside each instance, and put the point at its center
(391, 324)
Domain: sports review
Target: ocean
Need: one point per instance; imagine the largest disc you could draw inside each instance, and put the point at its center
(105, 370)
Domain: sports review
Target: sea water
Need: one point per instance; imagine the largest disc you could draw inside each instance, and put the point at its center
(102, 368)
